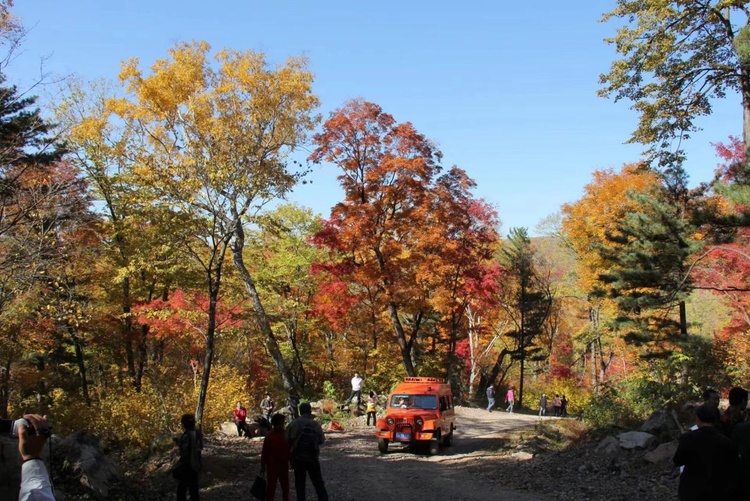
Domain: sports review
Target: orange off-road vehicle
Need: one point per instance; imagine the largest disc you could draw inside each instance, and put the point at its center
(419, 411)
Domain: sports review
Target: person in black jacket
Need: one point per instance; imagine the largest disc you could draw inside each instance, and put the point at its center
(188, 470)
(710, 459)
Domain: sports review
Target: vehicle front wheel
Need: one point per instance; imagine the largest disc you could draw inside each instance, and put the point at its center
(435, 443)
(382, 445)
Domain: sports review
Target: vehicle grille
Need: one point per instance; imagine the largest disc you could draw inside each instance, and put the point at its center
(404, 427)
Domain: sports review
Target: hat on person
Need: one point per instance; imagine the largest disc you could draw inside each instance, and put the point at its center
(305, 408)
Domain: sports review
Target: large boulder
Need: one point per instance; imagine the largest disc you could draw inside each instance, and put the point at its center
(228, 428)
(609, 446)
(84, 456)
(663, 453)
(661, 424)
(635, 440)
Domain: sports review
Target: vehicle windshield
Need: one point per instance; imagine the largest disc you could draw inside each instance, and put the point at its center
(406, 401)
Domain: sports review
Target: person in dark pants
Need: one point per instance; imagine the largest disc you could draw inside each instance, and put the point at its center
(711, 460)
(189, 467)
(240, 420)
(305, 436)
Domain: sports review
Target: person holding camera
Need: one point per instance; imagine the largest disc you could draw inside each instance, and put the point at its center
(33, 431)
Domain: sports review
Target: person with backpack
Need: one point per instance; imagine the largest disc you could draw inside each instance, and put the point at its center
(305, 436)
(188, 469)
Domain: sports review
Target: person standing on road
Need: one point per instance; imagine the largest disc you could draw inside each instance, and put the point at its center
(356, 390)
(372, 408)
(510, 397)
(557, 404)
(188, 470)
(274, 459)
(564, 406)
(543, 405)
(711, 461)
(305, 435)
(490, 397)
(240, 420)
(266, 407)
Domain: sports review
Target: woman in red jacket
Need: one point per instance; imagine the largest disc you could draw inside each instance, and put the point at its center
(274, 459)
(240, 419)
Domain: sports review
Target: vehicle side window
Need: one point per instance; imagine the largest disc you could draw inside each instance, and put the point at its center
(443, 403)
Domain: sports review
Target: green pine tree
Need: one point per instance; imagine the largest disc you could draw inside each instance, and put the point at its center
(649, 277)
(527, 299)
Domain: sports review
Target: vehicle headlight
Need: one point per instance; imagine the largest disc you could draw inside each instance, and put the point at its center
(419, 421)
(389, 421)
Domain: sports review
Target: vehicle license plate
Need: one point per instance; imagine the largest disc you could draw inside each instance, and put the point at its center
(403, 436)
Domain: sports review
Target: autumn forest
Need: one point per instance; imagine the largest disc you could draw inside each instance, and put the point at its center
(151, 264)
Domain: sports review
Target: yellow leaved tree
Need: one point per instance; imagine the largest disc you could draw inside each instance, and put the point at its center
(209, 137)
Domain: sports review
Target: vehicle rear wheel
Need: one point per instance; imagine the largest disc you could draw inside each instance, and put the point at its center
(434, 446)
(382, 445)
(448, 439)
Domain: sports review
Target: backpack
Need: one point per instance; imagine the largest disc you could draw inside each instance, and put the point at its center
(306, 446)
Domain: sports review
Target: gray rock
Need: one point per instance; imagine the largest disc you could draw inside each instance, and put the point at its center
(609, 446)
(663, 453)
(635, 440)
(522, 456)
(660, 422)
(228, 428)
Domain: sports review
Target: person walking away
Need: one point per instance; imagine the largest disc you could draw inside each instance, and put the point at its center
(557, 404)
(564, 406)
(741, 438)
(305, 435)
(190, 444)
(736, 412)
(240, 420)
(372, 406)
(711, 461)
(490, 397)
(510, 397)
(543, 405)
(356, 390)
(274, 459)
(266, 406)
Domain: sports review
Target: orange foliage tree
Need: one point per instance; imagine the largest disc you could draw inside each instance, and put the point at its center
(402, 226)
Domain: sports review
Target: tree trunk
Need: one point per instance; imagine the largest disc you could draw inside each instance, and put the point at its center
(142, 357)
(127, 329)
(683, 319)
(745, 91)
(5, 386)
(80, 362)
(405, 347)
(210, 334)
(287, 377)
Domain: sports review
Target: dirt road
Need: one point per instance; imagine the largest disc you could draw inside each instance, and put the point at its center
(354, 470)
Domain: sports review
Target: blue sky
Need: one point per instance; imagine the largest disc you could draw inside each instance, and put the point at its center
(507, 91)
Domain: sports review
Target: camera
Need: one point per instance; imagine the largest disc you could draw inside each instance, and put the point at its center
(11, 427)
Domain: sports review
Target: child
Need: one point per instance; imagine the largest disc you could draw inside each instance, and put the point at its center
(372, 402)
(274, 458)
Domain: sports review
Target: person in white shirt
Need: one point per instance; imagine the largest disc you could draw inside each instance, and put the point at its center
(356, 389)
(35, 482)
